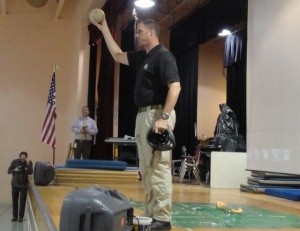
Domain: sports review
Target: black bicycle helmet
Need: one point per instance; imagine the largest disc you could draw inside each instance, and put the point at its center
(164, 141)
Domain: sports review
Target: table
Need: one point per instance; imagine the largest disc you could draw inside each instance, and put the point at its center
(218, 164)
(228, 169)
(205, 151)
(121, 150)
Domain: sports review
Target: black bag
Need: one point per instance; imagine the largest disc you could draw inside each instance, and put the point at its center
(226, 135)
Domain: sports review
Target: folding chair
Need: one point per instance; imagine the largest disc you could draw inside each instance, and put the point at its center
(189, 165)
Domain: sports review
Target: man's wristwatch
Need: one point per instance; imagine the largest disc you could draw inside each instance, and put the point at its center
(164, 115)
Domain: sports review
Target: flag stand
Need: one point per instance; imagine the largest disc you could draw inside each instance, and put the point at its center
(53, 161)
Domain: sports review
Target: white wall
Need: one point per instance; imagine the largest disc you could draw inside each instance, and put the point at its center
(273, 83)
(30, 43)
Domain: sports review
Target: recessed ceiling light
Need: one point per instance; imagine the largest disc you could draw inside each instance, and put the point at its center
(224, 32)
(144, 3)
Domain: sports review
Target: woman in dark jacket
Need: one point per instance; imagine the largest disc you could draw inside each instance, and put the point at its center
(20, 169)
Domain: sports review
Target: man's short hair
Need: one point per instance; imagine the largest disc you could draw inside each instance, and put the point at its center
(23, 153)
(150, 24)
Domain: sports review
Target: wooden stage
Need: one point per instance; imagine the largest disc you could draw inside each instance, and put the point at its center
(128, 184)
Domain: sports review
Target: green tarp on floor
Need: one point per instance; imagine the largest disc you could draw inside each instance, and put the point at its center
(197, 215)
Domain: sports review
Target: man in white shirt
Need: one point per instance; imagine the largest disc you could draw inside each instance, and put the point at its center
(84, 128)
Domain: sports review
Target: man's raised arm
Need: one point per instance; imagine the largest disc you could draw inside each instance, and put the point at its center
(114, 49)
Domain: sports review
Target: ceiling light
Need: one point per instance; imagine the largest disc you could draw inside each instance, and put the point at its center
(224, 32)
(144, 3)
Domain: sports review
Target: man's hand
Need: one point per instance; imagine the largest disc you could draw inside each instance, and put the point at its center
(101, 25)
(160, 125)
(82, 130)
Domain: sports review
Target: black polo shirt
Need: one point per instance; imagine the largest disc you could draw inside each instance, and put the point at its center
(153, 72)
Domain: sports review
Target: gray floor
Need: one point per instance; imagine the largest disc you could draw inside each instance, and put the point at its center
(5, 220)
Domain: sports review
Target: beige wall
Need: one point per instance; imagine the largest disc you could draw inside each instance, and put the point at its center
(30, 43)
(211, 86)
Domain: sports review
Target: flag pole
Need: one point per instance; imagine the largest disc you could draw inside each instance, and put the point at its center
(53, 161)
(54, 68)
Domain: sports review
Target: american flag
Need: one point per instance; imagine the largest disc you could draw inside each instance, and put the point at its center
(48, 131)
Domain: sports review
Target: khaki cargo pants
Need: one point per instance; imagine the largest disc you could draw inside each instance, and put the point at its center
(155, 168)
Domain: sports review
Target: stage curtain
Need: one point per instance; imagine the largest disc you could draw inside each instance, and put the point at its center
(105, 88)
(127, 108)
(235, 62)
(185, 38)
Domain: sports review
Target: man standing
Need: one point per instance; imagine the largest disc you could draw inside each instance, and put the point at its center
(20, 169)
(84, 128)
(156, 92)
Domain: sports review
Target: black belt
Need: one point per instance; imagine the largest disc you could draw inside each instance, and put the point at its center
(151, 107)
(82, 141)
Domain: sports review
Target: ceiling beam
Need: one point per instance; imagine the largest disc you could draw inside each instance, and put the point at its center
(59, 9)
(3, 7)
(181, 11)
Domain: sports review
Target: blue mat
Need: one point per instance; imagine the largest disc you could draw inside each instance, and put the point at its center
(97, 164)
(290, 194)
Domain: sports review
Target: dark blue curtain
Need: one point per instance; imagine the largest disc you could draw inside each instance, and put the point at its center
(127, 108)
(186, 107)
(235, 54)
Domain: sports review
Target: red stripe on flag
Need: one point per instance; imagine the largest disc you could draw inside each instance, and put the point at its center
(48, 133)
